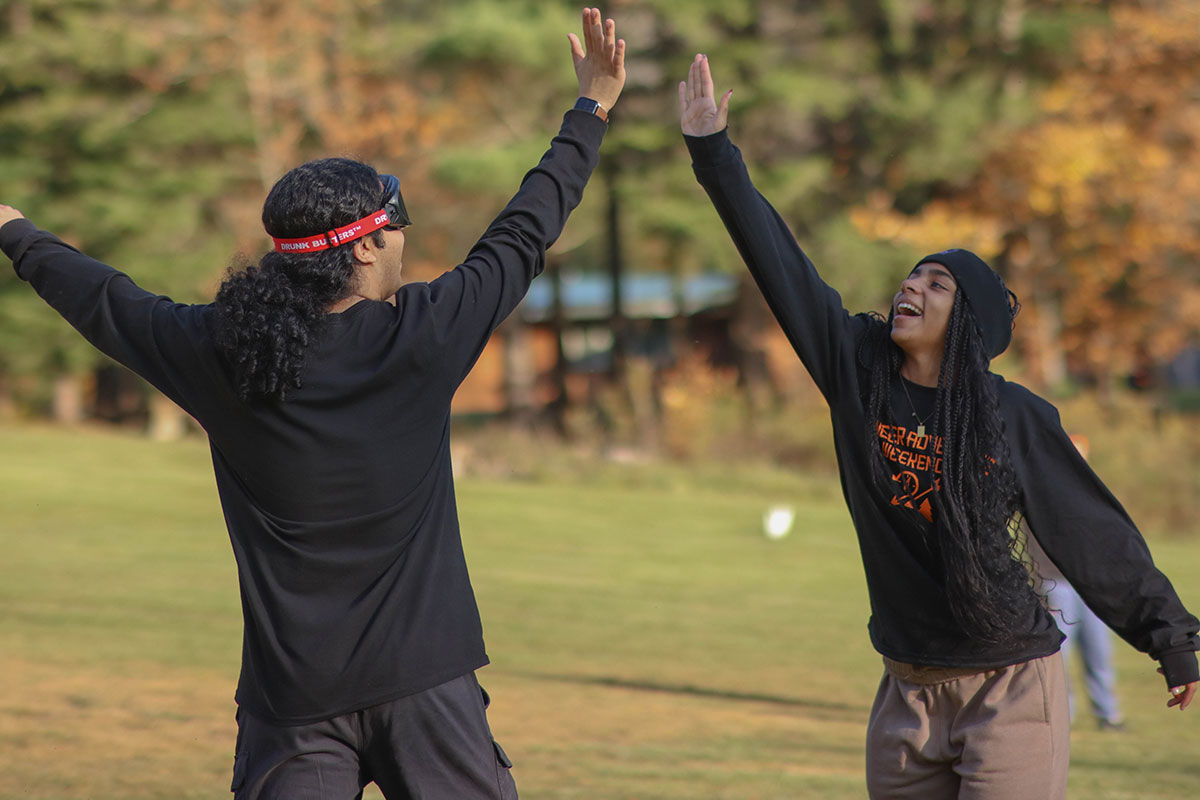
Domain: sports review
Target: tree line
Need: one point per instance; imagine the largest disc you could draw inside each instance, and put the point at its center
(1058, 138)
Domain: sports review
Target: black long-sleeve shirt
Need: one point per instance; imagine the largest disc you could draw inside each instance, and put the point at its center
(1082, 527)
(339, 501)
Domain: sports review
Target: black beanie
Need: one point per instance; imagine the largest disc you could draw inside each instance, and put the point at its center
(985, 293)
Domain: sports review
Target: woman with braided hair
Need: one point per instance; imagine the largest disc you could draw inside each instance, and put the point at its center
(940, 459)
(988, 589)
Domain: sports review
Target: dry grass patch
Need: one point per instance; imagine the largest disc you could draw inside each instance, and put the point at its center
(146, 732)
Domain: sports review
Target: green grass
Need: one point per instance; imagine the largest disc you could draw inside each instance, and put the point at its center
(647, 641)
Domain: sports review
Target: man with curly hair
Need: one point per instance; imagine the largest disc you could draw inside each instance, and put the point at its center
(324, 385)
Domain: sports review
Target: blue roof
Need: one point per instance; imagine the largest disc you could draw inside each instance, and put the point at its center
(588, 296)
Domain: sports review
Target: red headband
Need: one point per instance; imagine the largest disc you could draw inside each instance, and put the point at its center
(324, 241)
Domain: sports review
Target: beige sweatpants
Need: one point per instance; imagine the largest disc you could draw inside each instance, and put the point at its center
(997, 735)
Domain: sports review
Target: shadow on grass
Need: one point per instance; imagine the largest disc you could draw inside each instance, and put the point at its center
(823, 706)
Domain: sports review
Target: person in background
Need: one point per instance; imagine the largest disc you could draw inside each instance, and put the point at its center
(938, 457)
(324, 384)
(1084, 632)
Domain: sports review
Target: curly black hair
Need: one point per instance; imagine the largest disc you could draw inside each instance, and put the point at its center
(977, 506)
(270, 312)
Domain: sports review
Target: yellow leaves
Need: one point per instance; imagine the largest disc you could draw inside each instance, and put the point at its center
(1150, 31)
(1075, 169)
(1099, 200)
(1057, 99)
(942, 224)
(1060, 161)
(1141, 35)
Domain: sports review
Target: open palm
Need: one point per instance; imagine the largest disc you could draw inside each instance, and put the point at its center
(599, 59)
(699, 112)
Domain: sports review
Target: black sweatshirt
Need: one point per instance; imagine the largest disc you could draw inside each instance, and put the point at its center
(1080, 524)
(340, 500)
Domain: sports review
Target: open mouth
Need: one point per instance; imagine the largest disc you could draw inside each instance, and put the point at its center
(906, 309)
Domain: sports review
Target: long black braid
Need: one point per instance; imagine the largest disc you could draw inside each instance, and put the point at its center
(270, 312)
(978, 502)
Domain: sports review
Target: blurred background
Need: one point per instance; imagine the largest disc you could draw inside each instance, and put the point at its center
(1059, 139)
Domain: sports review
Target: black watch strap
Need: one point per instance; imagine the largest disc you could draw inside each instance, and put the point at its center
(592, 107)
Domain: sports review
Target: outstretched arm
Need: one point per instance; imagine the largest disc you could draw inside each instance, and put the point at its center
(469, 301)
(809, 311)
(130, 325)
(1092, 540)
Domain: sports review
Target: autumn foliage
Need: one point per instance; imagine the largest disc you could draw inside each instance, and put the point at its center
(1059, 138)
(1093, 210)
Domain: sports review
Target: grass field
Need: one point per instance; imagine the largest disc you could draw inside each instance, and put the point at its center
(646, 640)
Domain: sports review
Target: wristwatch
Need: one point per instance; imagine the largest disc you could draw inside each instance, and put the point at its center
(592, 107)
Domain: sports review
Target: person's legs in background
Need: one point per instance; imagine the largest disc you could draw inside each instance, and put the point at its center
(1099, 675)
(1089, 637)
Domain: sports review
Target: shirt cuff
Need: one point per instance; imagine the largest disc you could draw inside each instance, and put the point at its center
(594, 121)
(716, 148)
(12, 233)
(1180, 669)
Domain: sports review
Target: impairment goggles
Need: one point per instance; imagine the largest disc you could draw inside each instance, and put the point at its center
(393, 216)
(393, 202)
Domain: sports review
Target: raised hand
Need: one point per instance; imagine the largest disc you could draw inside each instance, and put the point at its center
(699, 113)
(599, 60)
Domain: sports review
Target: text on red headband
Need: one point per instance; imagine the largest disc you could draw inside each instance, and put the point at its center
(324, 241)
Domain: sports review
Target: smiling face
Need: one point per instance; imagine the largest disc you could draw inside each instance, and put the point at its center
(921, 309)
